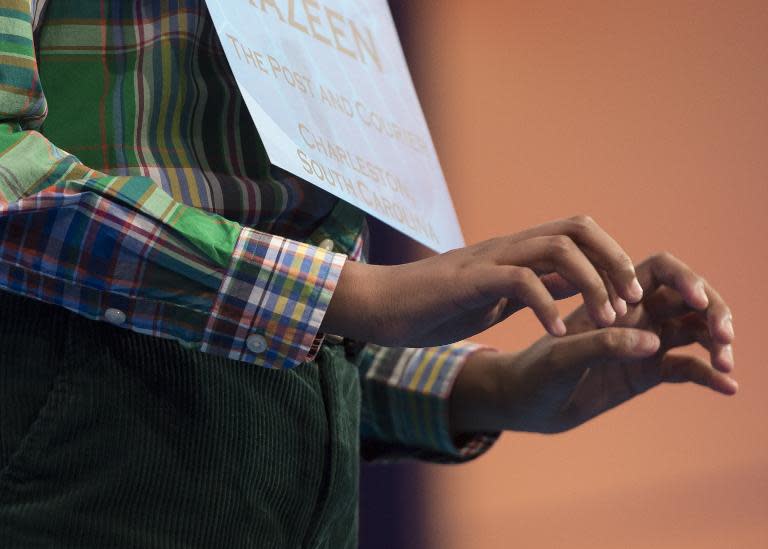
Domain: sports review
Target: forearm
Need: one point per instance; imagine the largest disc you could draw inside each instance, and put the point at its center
(360, 309)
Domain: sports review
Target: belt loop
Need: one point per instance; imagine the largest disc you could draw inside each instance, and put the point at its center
(352, 348)
(333, 339)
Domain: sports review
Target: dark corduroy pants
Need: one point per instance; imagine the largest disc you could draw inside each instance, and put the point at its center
(109, 438)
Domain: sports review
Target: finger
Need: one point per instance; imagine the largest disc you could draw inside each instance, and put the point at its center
(607, 343)
(692, 328)
(559, 253)
(619, 304)
(681, 331)
(559, 287)
(665, 269)
(679, 368)
(598, 246)
(719, 316)
(664, 303)
(522, 285)
(722, 358)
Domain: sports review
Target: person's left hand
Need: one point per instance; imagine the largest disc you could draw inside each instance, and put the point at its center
(559, 383)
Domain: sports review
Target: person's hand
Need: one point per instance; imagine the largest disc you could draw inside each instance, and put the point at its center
(559, 383)
(460, 293)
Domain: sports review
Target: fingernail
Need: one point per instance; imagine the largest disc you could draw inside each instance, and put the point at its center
(648, 343)
(559, 327)
(733, 384)
(702, 294)
(727, 355)
(609, 315)
(635, 290)
(620, 306)
(727, 325)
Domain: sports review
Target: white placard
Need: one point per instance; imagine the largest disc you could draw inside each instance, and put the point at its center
(329, 90)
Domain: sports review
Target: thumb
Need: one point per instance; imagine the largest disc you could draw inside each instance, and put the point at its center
(627, 343)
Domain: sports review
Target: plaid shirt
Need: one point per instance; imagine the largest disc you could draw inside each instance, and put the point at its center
(157, 208)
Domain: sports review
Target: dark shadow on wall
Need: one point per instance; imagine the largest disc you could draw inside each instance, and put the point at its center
(392, 504)
(391, 507)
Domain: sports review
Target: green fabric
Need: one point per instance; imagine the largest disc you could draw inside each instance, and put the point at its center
(110, 438)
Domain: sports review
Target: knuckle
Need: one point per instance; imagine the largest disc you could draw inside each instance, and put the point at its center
(624, 263)
(495, 242)
(550, 307)
(612, 339)
(485, 247)
(560, 244)
(720, 312)
(521, 277)
(702, 377)
(555, 353)
(663, 256)
(602, 295)
(582, 224)
(597, 286)
(583, 221)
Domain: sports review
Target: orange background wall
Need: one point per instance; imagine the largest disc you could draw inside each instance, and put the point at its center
(652, 117)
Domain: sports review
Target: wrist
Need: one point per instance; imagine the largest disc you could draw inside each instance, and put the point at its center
(472, 402)
(355, 310)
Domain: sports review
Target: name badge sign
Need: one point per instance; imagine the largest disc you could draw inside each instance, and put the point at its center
(328, 88)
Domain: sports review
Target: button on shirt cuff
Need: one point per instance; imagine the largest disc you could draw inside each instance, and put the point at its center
(272, 300)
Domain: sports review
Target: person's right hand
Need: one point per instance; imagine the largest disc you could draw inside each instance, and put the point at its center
(457, 294)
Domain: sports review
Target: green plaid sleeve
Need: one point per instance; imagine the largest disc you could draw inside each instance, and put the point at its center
(405, 404)
(21, 97)
(122, 250)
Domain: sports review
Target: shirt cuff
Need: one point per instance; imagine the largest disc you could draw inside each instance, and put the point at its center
(468, 446)
(406, 404)
(272, 301)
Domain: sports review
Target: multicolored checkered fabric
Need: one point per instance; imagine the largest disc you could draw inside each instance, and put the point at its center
(398, 424)
(170, 211)
(96, 242)
(276, 287)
